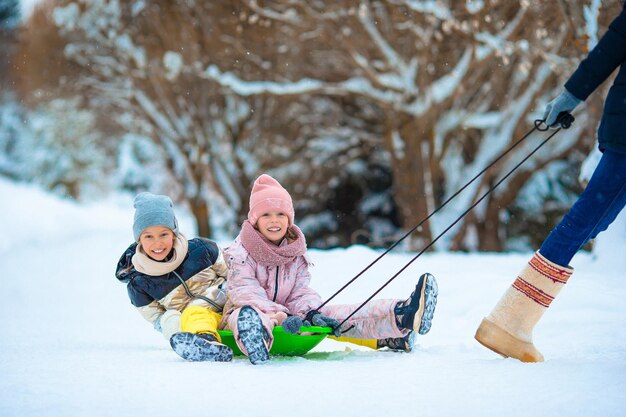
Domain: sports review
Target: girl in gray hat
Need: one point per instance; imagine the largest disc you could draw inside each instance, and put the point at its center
(177, 285)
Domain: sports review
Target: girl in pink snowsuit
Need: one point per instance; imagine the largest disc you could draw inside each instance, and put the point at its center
(269, 279)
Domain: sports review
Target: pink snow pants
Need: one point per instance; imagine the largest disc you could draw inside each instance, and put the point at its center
(376, 320)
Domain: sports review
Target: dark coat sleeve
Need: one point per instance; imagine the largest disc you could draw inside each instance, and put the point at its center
(604, 58)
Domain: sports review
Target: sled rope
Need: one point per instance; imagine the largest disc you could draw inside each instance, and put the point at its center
(564, 120)
(199, 297)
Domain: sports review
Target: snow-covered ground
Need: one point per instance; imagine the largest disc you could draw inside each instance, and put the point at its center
(72, 345)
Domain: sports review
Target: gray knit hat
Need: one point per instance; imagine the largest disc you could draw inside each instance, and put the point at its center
(153, 210)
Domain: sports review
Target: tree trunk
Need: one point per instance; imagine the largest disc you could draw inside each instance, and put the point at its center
(200, 210)
(410, 166)
(489, 239)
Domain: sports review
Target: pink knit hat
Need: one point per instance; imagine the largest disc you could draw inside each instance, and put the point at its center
(267, 195)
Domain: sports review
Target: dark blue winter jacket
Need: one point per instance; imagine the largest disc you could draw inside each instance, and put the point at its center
(203, 271)
(608, 54)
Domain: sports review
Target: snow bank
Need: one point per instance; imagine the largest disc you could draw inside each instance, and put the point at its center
(72, 345)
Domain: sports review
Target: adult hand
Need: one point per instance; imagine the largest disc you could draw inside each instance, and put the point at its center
(564, 102)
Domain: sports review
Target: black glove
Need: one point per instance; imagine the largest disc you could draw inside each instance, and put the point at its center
(318, 319)
(292, 324)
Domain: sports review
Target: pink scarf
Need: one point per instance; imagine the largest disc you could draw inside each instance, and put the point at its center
(265, 252)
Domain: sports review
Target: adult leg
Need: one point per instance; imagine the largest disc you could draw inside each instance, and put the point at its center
(596, 208)
(507, 330)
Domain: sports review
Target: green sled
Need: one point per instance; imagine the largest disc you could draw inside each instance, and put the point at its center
(285, 344)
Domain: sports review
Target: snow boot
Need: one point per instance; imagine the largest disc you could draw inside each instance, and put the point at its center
(200, 347)
(405, 343)
(508, 329)
(416, 313)
(253, 335)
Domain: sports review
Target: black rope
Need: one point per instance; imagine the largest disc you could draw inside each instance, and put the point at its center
(200, 297)
(564, 120)
(407, 234)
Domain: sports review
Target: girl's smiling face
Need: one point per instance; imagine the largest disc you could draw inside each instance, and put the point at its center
(273, 226)
(157, 242)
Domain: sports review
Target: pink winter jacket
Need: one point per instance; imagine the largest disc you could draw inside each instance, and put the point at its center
(285, 288)
(270, 289)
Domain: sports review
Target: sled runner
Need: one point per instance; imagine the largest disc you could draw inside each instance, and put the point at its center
(285, 344)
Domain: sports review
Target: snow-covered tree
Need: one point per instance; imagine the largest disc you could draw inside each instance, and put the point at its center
(56, 147)
(12, 114)
(9, 14)
(324, 93)
(142, 67)
(12, 131)
(9, 19)
(65, 151)
(134, 61)
(456, 83)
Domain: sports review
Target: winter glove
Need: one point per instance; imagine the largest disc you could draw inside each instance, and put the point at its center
(318, 319)
(292, 324)
(564, 102)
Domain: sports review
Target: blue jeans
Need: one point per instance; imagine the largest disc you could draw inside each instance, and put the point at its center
(592, 213)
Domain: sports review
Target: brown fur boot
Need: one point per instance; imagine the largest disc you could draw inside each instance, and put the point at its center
(508, 329)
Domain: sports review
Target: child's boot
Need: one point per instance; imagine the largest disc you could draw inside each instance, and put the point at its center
(405, 343)
(253, 335)
(200, 347)
(198, 339)
(416, 313)
(508, 329)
